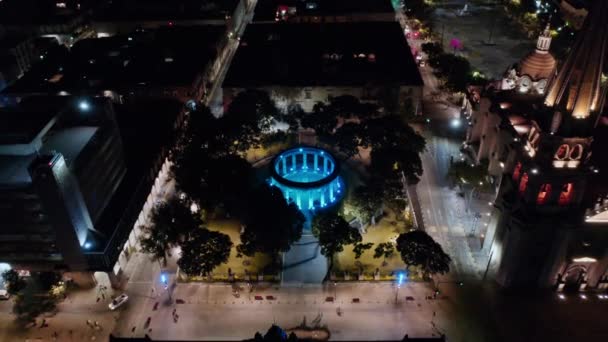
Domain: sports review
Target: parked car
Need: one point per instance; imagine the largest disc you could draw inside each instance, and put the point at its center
(4, 295)
(118, 301)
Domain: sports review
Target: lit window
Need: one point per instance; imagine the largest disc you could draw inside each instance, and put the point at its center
(60, 5)
(565, 197)
(543, 194)
(516, 172)
(523, 183)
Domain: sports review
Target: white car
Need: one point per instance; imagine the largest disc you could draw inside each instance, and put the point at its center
(118, 301)
(4, 295)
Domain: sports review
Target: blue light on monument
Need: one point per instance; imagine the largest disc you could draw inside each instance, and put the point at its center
(308, 177)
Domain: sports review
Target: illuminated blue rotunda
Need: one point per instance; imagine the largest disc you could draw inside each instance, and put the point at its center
(308, 177)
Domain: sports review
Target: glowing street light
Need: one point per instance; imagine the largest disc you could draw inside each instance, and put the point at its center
(455, 123)
(84, 105)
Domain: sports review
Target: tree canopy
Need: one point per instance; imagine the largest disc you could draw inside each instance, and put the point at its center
(271, 224)
(333, 232)
(384, 250)
(171, 221)
(360, 248)
(417, 248)
(365, 202)
(14, 283)
(203, 250)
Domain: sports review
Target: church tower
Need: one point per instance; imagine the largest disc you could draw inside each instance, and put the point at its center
(540, 200)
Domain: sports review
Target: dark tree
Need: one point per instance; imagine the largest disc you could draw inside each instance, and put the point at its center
(384, 250)
(250, 113)
(391, 131)
(432, 49)
(203, 250)
(366, 200)
(347, 138)
(360, 248)
(333, 232)
(271, 224)
(321, 120)
(14, 283)
(417, 248)
(46, 280)
(389, 163)
(171, 221)
(31, 303)
(456, 70)
(226, 181)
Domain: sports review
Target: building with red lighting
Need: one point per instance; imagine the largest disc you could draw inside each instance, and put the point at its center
(537, 128)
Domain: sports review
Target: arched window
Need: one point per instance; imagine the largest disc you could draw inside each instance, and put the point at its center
(523, 183)
(565, 197)
(543, 194)
(562, 152)
(516, 171)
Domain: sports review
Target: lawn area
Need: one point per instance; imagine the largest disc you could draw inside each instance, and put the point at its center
(386, 230)
(239, 266)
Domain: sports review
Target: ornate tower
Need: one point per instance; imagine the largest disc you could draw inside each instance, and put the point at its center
(535, 71)
(541, 199)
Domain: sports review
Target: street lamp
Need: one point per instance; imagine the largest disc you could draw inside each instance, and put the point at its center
(455, 123)
(84, 105)
(400, 280)
(165, 280)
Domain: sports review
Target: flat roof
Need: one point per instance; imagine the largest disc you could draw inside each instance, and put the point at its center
(134, 10)
(265, 10)
(329, 54)
(37, 12)
(22, 123)
(166, 56)
(69, 142)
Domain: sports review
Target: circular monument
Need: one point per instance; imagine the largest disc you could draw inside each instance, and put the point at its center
(308, 177)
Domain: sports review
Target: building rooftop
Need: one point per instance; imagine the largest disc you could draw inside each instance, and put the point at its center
(266, 9)
(40, 125)
(343, 54)
(142, 148)
(167, 56)
(39, 12)
(129, 10)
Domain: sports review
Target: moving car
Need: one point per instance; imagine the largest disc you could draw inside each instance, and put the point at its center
(4, 295)
(118, 301)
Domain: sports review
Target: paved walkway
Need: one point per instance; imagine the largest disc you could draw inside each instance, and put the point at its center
(304, 263)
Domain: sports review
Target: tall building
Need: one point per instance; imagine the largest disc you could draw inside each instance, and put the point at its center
(61, 160)
(543, 234)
